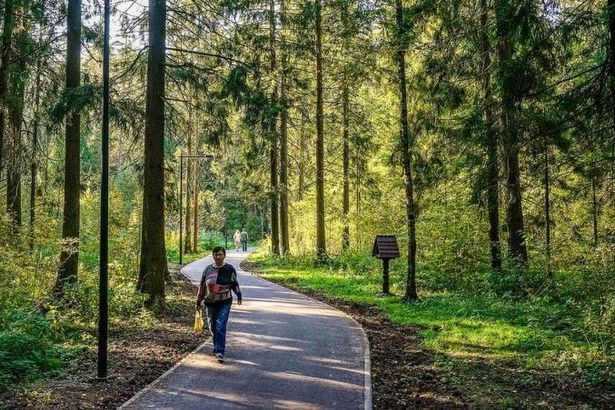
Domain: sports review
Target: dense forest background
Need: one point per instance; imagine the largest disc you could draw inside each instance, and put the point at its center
(480, 132)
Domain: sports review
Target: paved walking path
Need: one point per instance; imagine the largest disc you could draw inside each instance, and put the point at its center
(284, 350)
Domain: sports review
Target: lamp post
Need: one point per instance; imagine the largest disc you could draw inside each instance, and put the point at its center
(181, 208)
(103, 306)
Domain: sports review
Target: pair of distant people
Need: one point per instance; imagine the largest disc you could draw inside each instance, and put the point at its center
(241, 240)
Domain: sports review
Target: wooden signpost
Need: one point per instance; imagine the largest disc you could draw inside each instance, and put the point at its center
(385, 248)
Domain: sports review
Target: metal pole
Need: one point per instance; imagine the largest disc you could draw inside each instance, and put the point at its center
(181, 207)
(103, 307)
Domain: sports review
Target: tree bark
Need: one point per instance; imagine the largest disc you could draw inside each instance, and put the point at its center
(34, 158)
(346, 162)
(514, 212)
(195, 208)
(321, 247)
(611, 71)
(493, 199)
(7, 36)
(357, 194)
(594, 208)
(345, 134)
(188, 248)
(15, 145)
(302, 156)
(547, 182)
(284, 235)
(400, 55)
(69, 258)
(273, 152)
(153, 264)
(514, 209)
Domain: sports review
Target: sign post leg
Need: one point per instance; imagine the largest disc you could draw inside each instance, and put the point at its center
(385, 276)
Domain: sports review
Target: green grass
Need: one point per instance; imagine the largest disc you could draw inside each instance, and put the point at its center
(533, 332)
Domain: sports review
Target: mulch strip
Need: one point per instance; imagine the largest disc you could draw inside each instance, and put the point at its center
(136, 358)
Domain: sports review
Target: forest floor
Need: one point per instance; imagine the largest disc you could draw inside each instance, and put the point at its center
(407, 374)
(137, 356)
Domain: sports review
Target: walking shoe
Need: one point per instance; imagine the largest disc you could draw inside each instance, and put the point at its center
(220, 357)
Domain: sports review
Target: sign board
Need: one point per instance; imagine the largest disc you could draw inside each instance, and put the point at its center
(385, 247)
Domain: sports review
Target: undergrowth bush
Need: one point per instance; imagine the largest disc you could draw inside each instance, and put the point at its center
(27, 347)
(38, 334)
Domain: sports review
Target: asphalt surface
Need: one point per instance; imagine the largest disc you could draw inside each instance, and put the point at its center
(284, 350)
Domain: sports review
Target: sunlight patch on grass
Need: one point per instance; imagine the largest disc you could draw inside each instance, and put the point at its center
(461, 326)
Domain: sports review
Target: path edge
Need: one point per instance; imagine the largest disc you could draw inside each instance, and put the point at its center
(162, 376)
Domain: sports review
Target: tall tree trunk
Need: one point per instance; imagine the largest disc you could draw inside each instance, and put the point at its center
(321, 246)
(400, 55)
(357, 194)
(34, 158)
(594, 207)
(284, 230)
(7, 35)
(153, 264)
(69, 258)
(547, 182)
(273, 153)
(514, 210)
(284, 235)
(345, 133)
(611, 71)
(15, 146)
(346, 161)
(188, 248)
(195, 208)
(493, 199)
(302, 156)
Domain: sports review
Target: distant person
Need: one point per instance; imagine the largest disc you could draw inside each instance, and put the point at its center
(217, 282)
(237, 239)
(244, 240)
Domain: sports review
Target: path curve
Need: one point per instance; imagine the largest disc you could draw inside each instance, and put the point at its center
(284, 350)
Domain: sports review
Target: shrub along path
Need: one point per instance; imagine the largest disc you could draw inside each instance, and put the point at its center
(284, 350)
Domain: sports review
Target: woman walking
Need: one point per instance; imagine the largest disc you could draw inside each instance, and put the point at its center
(217, 282)
(237, 239)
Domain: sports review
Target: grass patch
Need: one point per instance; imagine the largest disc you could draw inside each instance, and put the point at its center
(532, 334)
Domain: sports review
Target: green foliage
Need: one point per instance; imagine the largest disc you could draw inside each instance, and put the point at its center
(39, 336)
(27, 347)
(74, 100)
(517, 283)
